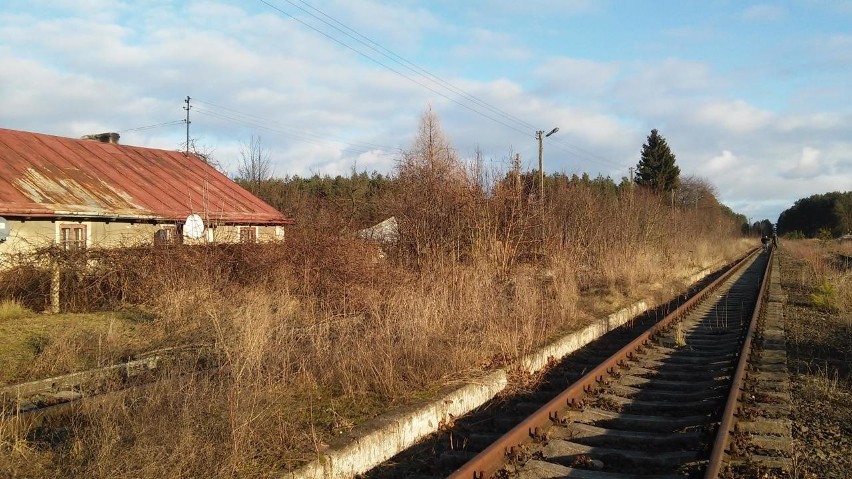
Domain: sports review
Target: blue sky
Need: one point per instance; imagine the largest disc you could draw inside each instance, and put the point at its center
(755, 97)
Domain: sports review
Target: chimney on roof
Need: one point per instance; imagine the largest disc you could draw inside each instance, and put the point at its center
(103, 137)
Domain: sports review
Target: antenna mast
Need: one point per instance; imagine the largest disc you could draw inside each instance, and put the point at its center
(187, 107)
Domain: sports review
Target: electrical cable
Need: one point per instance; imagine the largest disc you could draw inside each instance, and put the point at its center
(151, 127)
(410, 66)
(378, 62)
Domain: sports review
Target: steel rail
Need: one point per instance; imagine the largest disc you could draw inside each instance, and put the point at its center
(490, 460)
(48, 410)
(714, 466)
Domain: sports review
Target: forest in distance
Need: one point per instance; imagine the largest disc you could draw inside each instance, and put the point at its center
(363, 196)
(360, 193)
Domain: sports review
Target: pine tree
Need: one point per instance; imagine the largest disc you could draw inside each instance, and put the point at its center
(656, 168)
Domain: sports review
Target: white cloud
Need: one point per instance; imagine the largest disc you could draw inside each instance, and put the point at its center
(719, 164)
(389, 23)
(675, 75)
(737, 116)
(809, 165)
(653, 90)
(831, 122)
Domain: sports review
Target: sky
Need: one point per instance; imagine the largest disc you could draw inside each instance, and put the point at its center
(754, 97)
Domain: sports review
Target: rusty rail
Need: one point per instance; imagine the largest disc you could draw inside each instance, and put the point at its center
(491, 459)
(714, 466)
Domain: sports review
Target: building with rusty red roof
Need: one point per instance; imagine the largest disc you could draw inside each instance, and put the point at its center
(94, 191)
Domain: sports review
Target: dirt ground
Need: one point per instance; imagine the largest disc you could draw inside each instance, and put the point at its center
(819, 348)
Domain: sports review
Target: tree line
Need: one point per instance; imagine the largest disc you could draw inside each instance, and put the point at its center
(818, 215)
(360, 198)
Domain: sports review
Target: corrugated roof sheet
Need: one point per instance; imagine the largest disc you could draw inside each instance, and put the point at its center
(51, 176)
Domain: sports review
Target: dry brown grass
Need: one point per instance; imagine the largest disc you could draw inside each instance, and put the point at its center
(828, 270)
(317, 334)
(819, 352)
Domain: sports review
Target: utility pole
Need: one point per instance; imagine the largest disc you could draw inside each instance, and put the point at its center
(538, 135)
(540, 164)
(632, 186)
(187, 107)
(541, 138)
(517, 173)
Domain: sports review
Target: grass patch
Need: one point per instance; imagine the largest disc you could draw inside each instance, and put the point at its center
(825, 296)
(38, 346)
(13, 309)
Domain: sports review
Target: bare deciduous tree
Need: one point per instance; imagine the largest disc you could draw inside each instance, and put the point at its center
(696, 192)
(255, 165)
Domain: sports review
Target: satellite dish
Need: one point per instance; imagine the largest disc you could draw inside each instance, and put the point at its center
(194, 227)
(5, 229)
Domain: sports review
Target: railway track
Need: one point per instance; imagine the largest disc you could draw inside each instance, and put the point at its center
(61, 393)
(653, 409)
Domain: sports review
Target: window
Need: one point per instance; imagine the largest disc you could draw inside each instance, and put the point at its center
(72, 237)
(248, 234)
(166, 235)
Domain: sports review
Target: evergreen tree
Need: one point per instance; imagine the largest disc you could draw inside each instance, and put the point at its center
(828, 211)
(656, 168)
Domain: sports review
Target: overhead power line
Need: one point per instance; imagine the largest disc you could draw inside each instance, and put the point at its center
(466, 100)
(151, 127)
(400, 60)
(394, 70)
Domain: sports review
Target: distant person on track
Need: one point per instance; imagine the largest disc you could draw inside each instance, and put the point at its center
(764, 240)
(774, 240)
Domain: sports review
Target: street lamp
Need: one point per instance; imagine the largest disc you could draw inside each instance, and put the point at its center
(538, 135)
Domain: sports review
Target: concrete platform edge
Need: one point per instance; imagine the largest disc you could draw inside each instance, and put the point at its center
(403, 430)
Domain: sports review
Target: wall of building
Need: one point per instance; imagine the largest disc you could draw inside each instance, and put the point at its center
(27, 236)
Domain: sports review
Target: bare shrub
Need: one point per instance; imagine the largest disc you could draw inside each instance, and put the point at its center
(26, 283)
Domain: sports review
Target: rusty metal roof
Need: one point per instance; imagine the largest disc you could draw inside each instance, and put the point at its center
(45, 176)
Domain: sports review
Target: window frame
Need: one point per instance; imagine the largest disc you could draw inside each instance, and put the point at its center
(78, 243)
(247, 234)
